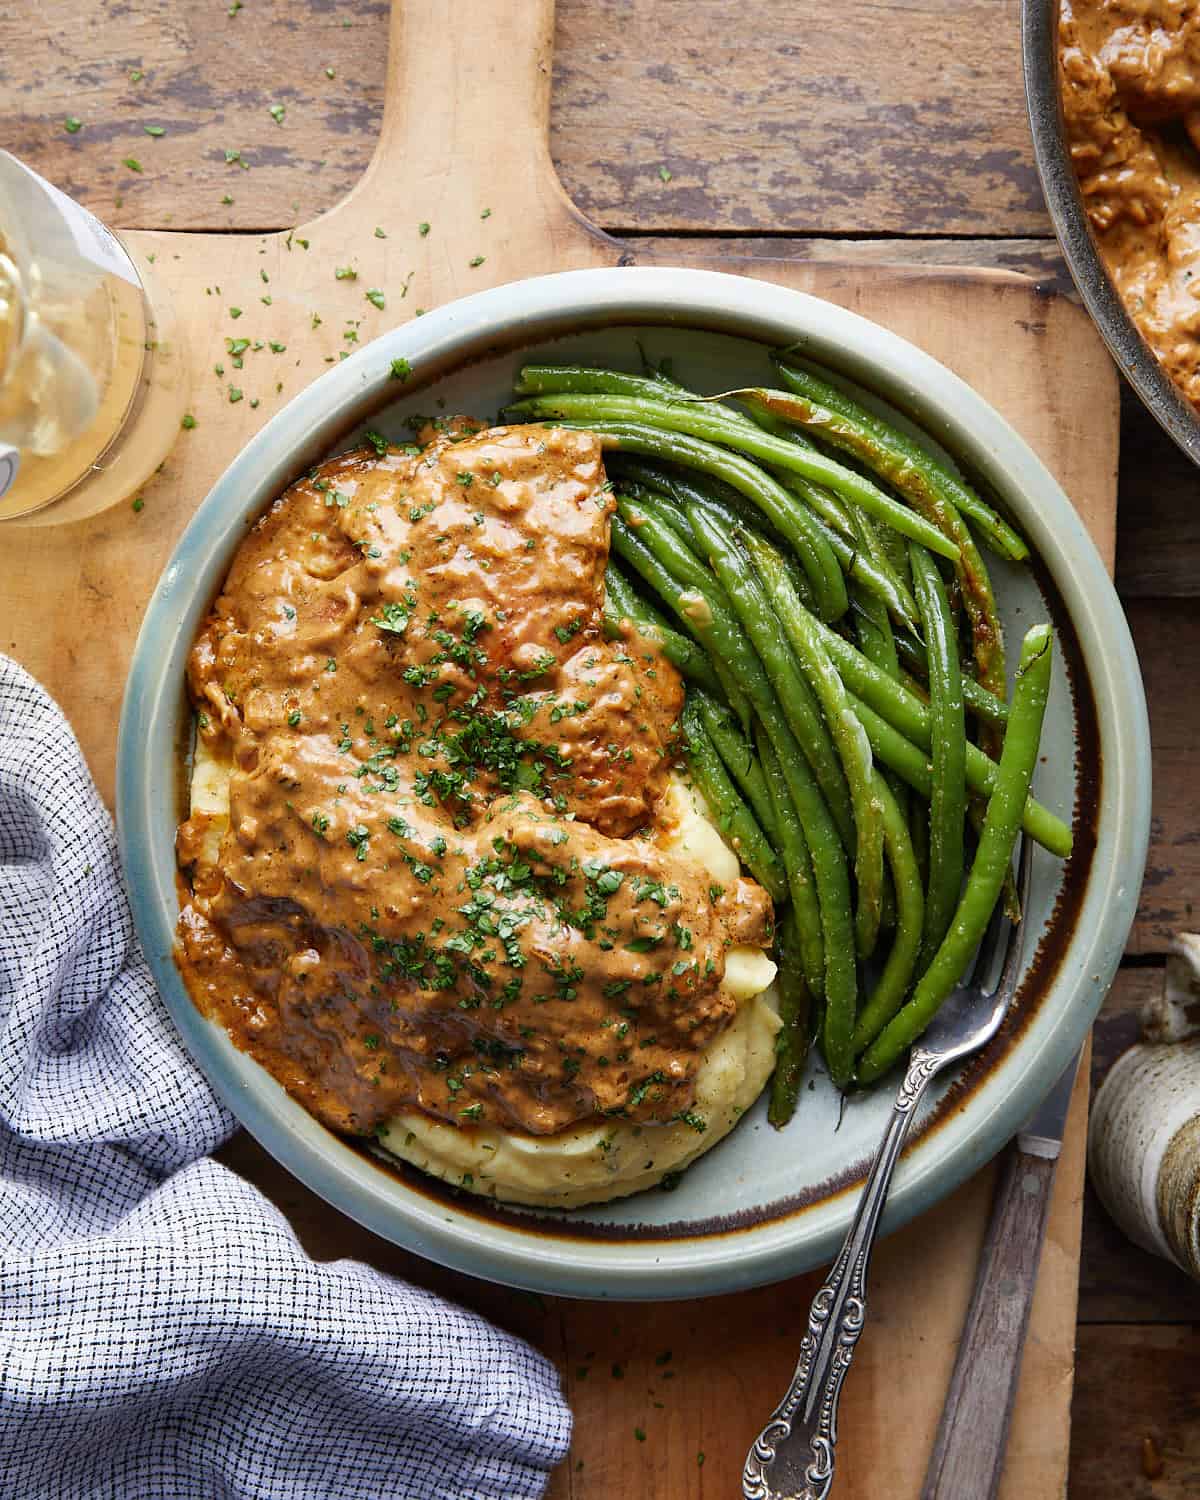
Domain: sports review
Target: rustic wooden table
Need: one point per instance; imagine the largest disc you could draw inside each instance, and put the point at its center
(879, 131)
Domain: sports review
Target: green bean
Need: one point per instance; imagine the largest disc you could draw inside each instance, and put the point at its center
(850, 742)
(780, 709)
(698, 420)
(738, 754)
(831, 876)
(911, 762)
(796, 698)
(948, 751)
(892, 986)
(908, 718)
(993, 858)
(845, 426)
(907, 456)
(551, 380)
(854, 527)
(700, 610)
(792, 847)
(876, 638)
(672, 548)
(730, 507)
(622, 603)
(730, 813)
(792, 1039)
(663, 506)
(982, 704)
(856, 565)
(792, 520)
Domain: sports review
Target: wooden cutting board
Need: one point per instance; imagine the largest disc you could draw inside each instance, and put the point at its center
(666, 1396)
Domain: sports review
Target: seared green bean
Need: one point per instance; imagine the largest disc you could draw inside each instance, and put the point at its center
(993, 858)
(793, 851)
(850, 742)
(672, 549)
(550, 380)
(792, 1039)
(738, 754)
(843, 425)
(876, 638)
(796, 698)
(913, 463)
(948, 753)
(699, 420)
(862, 543)
(892, 986)
(732, 816)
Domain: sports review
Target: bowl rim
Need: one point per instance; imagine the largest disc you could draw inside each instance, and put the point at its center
(448, 338)
(1133, 355)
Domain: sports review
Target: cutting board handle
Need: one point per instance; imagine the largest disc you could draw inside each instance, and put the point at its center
(465, 120)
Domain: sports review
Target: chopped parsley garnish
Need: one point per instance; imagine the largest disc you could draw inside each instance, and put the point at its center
(393, 618)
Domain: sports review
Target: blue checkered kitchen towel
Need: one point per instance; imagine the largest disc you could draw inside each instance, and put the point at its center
(162, 1334)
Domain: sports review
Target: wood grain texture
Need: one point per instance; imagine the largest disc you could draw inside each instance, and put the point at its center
(1136, 1384)
(906, 116)
(1166, 633)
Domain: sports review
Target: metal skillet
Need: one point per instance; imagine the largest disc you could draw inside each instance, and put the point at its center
(1136, 361)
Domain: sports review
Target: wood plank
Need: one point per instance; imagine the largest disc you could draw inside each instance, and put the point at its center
(1158, 550)
(1166, 633)
(1135, 1384)
(891, 116)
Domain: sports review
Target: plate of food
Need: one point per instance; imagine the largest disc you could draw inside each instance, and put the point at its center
(553, 762)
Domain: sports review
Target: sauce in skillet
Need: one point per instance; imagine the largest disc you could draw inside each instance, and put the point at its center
(1130, 74)
(440, 887)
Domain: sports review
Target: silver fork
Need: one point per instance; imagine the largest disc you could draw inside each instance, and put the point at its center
(793, 1456)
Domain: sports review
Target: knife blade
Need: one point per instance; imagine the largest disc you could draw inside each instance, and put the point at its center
(968, 1452)
(1042, 1133)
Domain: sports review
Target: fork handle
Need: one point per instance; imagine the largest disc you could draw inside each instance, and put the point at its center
(793, 1456)
(968, 1453)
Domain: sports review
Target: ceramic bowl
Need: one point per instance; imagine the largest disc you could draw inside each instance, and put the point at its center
(762, 1204)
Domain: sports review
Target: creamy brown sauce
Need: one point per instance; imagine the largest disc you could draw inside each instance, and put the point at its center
(433, 891)
(1130, 73)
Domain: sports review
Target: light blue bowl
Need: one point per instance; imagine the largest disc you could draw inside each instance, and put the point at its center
(761, 1205)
